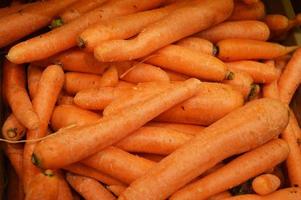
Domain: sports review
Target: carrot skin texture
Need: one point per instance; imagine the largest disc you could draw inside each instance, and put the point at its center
(266, 184)
(33, 78)
(181, 167)
(243, 11)
(64, 191)
(184, 128)
(12, 129)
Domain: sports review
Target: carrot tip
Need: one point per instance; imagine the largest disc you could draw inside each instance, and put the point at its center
(35, 160)
(56, 23)
(81, 43)
(255, 88)
(49, 173)
(230, 75)
(215, 50)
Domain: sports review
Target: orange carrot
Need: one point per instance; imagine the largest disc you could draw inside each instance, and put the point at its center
(84, 170)
(142, 72)
(110, 77)
(60, 117)
(184, 128)
(175, 76)
(246, 29)
(79, 8)
(116, 189)
(186, 21)
(17, 96)
(260, 72)
(189, 62)
(29, 19)
(33, 78)
(14, 187)
(12, 9)
(12, 129)
(241, 130)
(64, 37)
(65, 99)
(49, 88)
(198, 44)
(232, 174)
(14, 152)
(64, 191)
(123, 166)
(276, 22)
(293, 193)
(290, 78)
(220, 196)
(265, 184)
(241, 11)
(270, 90)
(89, 188)
(244, 49)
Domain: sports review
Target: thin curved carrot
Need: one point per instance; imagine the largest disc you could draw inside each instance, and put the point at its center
(12, 129)
(265, 184)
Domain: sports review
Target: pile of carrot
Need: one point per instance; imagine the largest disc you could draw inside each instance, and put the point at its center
(152, 100)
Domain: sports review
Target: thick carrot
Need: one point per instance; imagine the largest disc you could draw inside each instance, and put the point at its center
(29, 19)
(265, 184)
(175, 76)
(220, 196)
(232, 174)
(64, 191)
(64, 37)
(116, 189)
(186, 21)
(212, 102)
(198, 44)
(184, 128)
(241, 130)
(14, 188)
(260, 72)
(290, 78)
(60, 117)
(122, 27)
(123, 166)
(89, 188)
(12, 9)
(79, 8)
(65, 99)
(189, 62)
(33, 78)
(293, 193)
(75, 60)
(142, 72)
(14, 152)
(242, 11)
(244, 49)
(49, 88)
(84, 170)
(17, 96)
(109, 130)
(246, 29)
(12, 129)
(242, 82)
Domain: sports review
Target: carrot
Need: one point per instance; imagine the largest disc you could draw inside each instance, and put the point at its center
(244, 49)
(122, 27)
(75, 60)
(79, 8)
(12, 129)
(260, 72)
(241, 130)
(198, 44)
(290, 78)
(212, 102)
(110, 77)
(241, 11)
(186, 21)
(265, 184)
(60, 117)
(64, 191)
(123, 166)
(14, 187)
(49, 88)
(287, 194)
(142, 72)
(33, 78)
(14, 153)
(220, 196)
(17, 96)
(89, 188)
(242, 82)
(175, 76)
(12, 9)
(245, 29)
(65, 99)
(276, 22)
(98, 99)
(64, 37)
(124, 84)
(31, 18)
(151, 157)
(232, 174)
(84, 170)
(116, 189)
(189, 62)
(270, 90)
(184, 128)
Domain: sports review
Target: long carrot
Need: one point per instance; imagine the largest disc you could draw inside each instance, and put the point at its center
(198, 44)
(17, 96)
(184, 128)
(242, 11)
(265, 184)
(116, 189)
(29, 19)
(14, 152)
(84, 170)
(64, 37)
(290, 78)
(123, 166)
(186, 21)
(109, 130)
(232, 174)
(33, 78)
(14, 188)
(79, 8)
(241, 130)
(244, 49)
(49, 88)
(12, 129)
(246, 29)
(89, 188)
